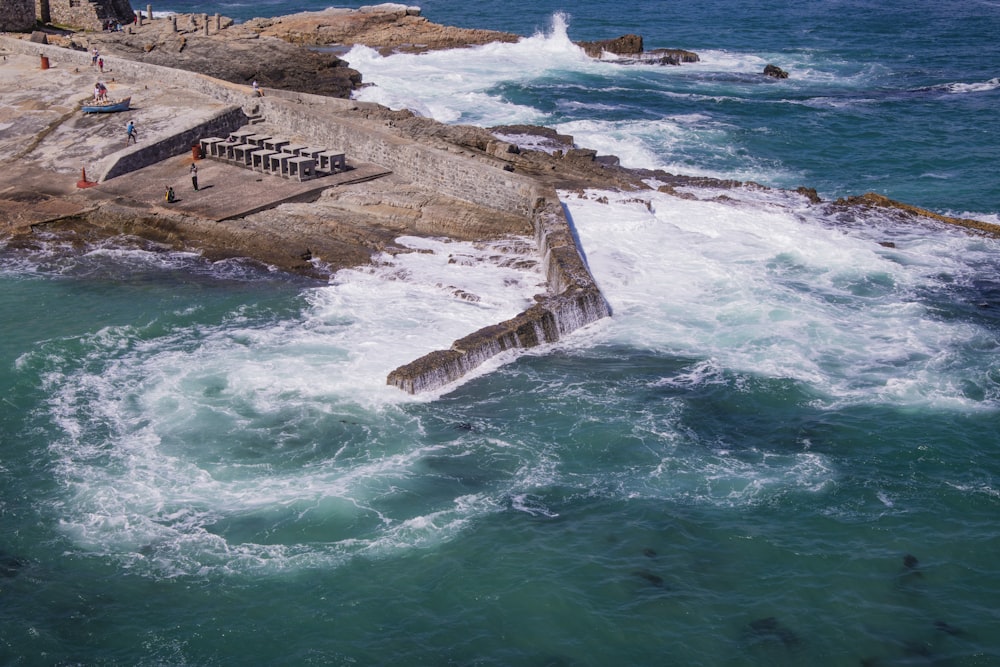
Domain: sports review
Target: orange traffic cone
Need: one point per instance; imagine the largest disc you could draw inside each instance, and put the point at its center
(83, 182)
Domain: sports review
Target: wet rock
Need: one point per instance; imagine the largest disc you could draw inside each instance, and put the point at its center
(775, 72)
(626, 45)
(810, 194)
(908, 212)
(661, 57)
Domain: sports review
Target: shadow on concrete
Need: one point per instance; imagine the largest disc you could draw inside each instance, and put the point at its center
(225, 191)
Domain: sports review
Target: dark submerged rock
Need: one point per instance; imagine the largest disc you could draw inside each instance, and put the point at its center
(948, 629)
(770, 629)
(650, 578)
(10, 566)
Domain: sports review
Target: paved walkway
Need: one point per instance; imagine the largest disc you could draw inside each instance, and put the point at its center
(225, 190)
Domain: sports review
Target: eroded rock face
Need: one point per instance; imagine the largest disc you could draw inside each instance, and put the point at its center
(233, 55)
(626, 45)
(387, 30)
(630, 50)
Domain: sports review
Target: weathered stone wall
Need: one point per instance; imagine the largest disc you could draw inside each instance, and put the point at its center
(463, 173)
(83, 14)
(129, 70)
(17, 15)
(147, 154)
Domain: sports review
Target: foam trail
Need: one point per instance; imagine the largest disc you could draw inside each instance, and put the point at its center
(959, 88)
(186, 448)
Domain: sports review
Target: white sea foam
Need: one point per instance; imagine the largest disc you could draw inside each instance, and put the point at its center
(185, 454)
(664, 143)
(760, 284)
(457, 85)
(477, 86)
(157, 437)
(959, 88)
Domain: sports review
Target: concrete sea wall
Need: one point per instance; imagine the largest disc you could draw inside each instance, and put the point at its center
(221, 124)
(572, 299)
(464, 174)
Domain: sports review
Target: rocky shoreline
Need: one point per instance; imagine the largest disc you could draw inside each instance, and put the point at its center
(211, 61)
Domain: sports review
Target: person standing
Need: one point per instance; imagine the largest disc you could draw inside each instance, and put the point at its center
(194, 175)
(130, 129)
(100, 64)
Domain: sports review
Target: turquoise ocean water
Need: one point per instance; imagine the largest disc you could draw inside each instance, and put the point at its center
(781, 450)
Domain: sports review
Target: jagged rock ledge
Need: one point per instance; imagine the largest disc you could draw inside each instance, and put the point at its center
(630, 50)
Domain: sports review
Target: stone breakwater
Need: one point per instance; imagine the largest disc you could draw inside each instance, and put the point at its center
(575, 301)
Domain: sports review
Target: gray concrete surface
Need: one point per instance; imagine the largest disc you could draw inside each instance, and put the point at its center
(225, 190)
(51, 145)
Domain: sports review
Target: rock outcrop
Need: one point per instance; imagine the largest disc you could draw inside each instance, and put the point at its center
(629, 50)
(232, 54)
(910, 212)
(775, 72)
(387, 28)
(626, 45)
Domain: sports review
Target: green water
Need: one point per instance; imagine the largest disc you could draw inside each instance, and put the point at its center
(781, 450)
(571, 508)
